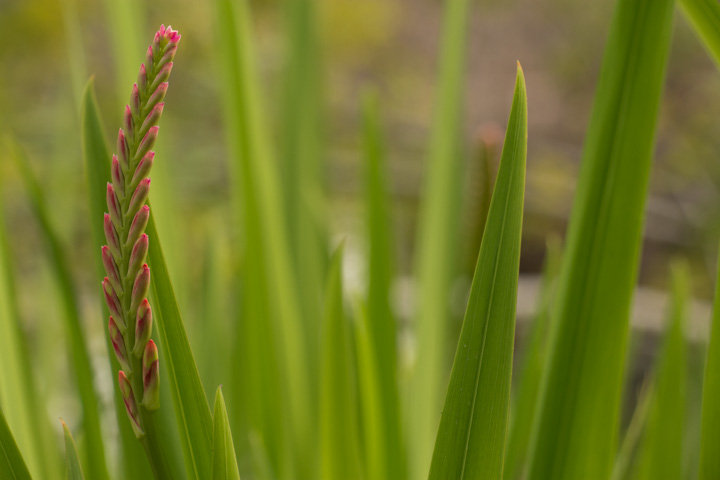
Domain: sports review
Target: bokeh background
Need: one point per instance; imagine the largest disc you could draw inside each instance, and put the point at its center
(48, 49)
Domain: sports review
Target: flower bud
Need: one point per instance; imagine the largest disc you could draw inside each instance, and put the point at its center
(143, 168)
(139, 197)
(138, 225)
(140, 287)
(118, 179)
(146, 144)
(168, 55)
(111, 269)
(123, 149)
(151, 377)
(137, 257)
(149, 57)
(118, 343)
(113, 207)
(162, 76)
(113, 303)
(130, 405)
(157, 96)
(135, 101)
(142, 78)
(143, 327)
(128, 119)
(152, 119)
(111, 237)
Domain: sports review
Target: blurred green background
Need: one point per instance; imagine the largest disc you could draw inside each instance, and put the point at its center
(48, 48)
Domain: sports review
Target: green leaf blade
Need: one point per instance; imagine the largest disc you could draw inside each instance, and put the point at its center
(471, 438)
(710, 423)
(704, 17)
(12, 465)
(74, 470)
(576, 432)
(224, 462)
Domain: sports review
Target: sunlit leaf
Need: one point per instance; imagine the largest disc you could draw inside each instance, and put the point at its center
(224, 462)
(12, 465)
(74, 470)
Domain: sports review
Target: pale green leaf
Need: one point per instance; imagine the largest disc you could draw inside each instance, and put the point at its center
(576, 432)
(704, 17)
(12, 465)
(224, 462)
(74, 470)
(471, 439)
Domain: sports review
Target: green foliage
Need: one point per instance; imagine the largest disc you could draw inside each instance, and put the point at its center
(577, 429)
(12, 465)
(224, 462)
(74, 470)
(704, 16)
(471, 438)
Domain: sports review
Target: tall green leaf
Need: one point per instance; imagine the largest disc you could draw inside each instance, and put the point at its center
(704, 16)
(224, 462)
(266, 251)
(471, 439)
(96, 158)
(436, 256)
(576, 431)
(710, 424)
(381, 324)
(662, 446)
(338, 414)
(12, 465)
(524, 394)
(74, 470)
(191, 406)
(79, 356)
(627, 452)
(18, 393)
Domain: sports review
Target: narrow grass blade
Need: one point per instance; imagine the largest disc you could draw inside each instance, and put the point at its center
(661, 453)
(575, 435)
(524, 394)
(704, 17)
(260, 210)
(12, 465)
(436, 259)
(96, 157)
(191, 406)
(79, 356)
(710, 423)
(381, 325)
(224, 462)
(74, 470)
(18, 393)
(627, 453)
(338, 413)
(471, 439)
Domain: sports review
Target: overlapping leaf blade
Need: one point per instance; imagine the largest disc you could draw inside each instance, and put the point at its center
(224, 462)
(74, 470)
(576, 431)
(471, 438)
(12, 465)
(704, 16)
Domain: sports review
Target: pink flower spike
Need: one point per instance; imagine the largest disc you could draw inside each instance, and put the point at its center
(130, 405)
(137, 257)
(113, 303)
(140, 288)
(138, 225)
(151, 377)
(113, 207)
(111, 237)
(123, 150)
(168, 55)
(139, 197)
(147, 143)
(143, 168)
(143, 327)
(111, 269)
(118, 343)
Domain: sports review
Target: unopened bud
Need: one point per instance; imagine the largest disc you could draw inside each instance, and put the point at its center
(143, 168)
(157, 96)
(162, 76)
(142, 78)
(118, 179)
(138, 225)
(123, 149)
(152, 119)
(137, 257)
(113, 303)
(111, 269)
(130, 405)
(139, 197)
(113, 207)
(111, 237)
(135, 101)
(143, 327)
(147, 142)
(151, 377)
(128, 119)
(140, 287)
(118, 343)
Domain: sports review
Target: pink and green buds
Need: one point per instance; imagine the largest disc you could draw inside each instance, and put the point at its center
(128, 276)
(151, 377)
(143, 327)
(140, 287)
(118, 343)
(130, 404)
